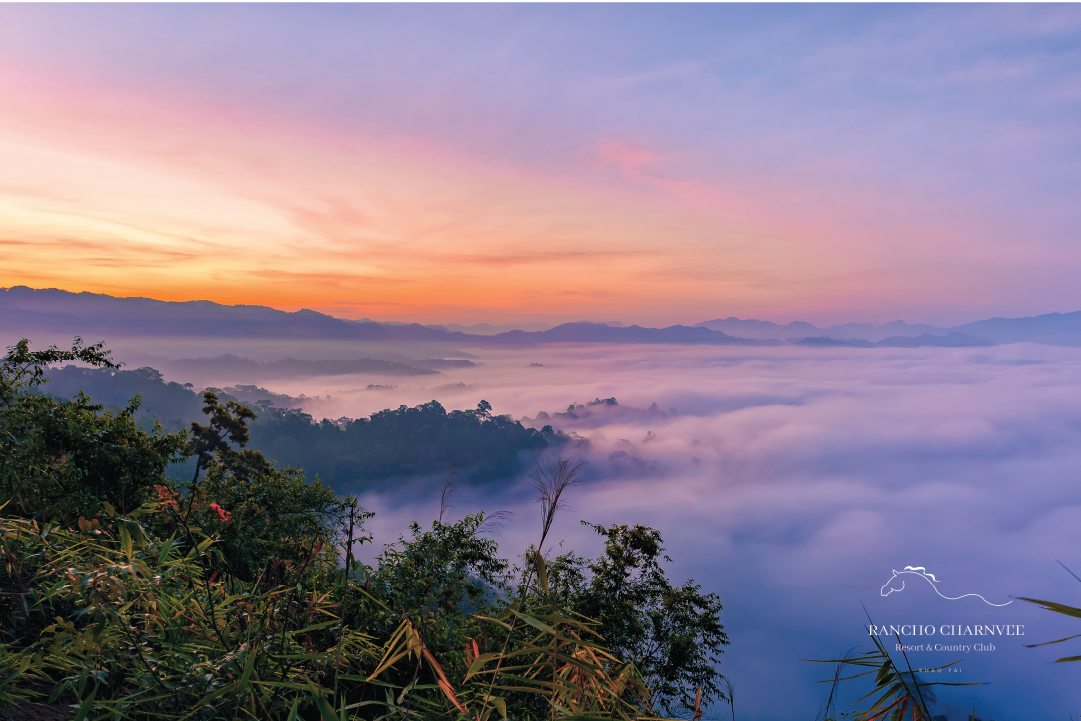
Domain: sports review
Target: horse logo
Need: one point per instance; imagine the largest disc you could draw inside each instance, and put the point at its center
(896, 583)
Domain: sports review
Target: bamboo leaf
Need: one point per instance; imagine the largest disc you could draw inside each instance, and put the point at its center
(315, 627)
(449, 692)
(326, 710)
(542, 573)
(125, 541)
(535, 623)
(1048, 643)
(249, 664)
(1056, 607)
(494, 620)
(85, 706)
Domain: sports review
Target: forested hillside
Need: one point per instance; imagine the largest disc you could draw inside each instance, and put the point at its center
(401, 443)
(391, 444)
(126, 593)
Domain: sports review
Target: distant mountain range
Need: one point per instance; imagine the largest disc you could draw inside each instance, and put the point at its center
(764, 329)
(93, 316)
(949, 340)
(25, 311)
(1051, 329)
(476, 329)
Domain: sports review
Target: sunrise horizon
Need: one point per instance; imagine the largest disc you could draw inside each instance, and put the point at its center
(422, 317)
(536, 361)
(344, 178)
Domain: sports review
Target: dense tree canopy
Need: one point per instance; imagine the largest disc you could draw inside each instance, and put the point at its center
(672, 633)
(399, 443)
(347, 454)
(66, 459)
(236, 593)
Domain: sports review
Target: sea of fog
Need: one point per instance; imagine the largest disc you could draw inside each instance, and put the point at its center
(793, 482)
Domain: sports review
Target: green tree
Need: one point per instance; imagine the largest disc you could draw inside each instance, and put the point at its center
(443, 571)
(65, 459)
(672, 634)
(259, 511)
(225, 596)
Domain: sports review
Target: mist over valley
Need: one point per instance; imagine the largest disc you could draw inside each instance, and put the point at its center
(788, 479)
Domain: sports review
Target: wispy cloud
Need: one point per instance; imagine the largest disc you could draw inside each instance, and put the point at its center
(630, 159)
(556, 147)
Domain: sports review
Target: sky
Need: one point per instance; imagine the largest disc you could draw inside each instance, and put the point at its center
(653, 164)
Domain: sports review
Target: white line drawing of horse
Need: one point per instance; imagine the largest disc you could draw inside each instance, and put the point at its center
(921, 572)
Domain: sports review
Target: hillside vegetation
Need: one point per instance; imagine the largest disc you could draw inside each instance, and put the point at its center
(235, 593)
(347, 454)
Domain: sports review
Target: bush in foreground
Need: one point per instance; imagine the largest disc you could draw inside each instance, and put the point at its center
(236, 594)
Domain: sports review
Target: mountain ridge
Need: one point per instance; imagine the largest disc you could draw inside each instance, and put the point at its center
(93, 314)
(96, 314)
(1048, 328)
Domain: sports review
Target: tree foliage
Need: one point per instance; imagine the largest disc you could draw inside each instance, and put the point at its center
(63, 459)
(237, 593)
(347, 454)
(401, 443)
(671, 633)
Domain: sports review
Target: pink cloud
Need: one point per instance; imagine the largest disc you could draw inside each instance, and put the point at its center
(631, 160)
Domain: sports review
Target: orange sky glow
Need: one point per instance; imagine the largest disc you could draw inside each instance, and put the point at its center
(175, 204)
(179, 194)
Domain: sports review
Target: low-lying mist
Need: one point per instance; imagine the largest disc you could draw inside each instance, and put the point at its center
(791, 481)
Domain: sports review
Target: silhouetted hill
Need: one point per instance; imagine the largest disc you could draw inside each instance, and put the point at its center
(489, 329)
(821, 341)
(350, 454)
(598, 333)
(760, 329)
(763, 329)
(94, 315)
(1052, 329)
(950, 340)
